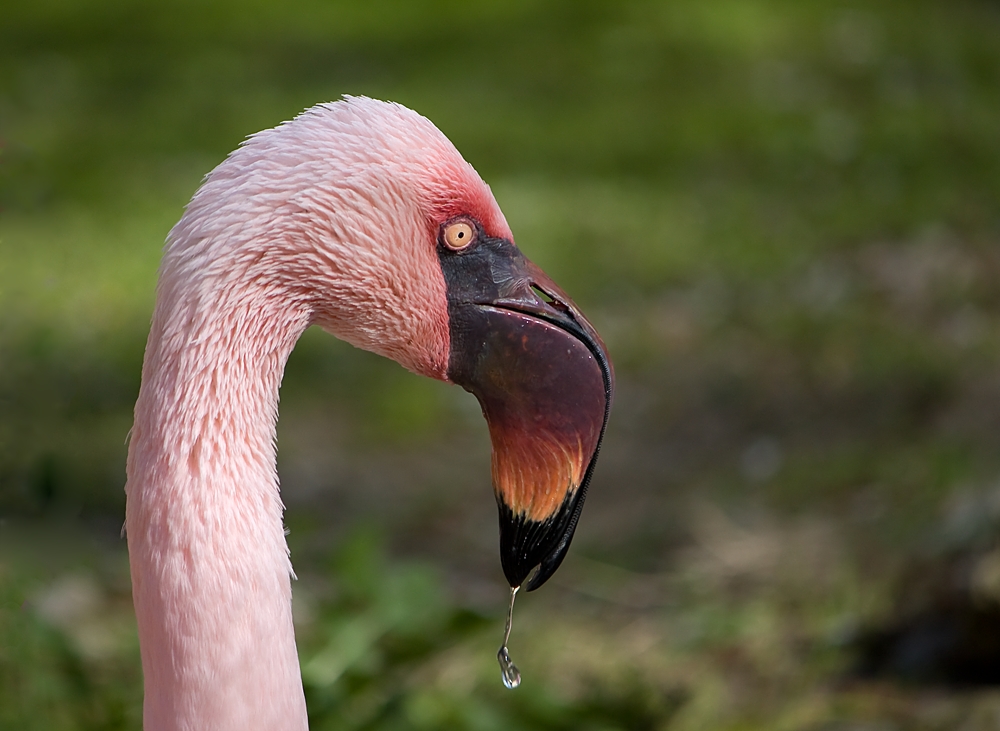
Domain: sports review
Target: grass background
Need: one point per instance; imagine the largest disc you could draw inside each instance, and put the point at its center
(782, 216)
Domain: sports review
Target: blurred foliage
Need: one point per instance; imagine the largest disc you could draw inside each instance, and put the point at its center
(384, 649)
(782, 216)
(744, 632)
(68, 651)
(393, 654)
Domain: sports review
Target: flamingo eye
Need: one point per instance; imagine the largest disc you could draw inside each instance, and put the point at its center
(458, 235)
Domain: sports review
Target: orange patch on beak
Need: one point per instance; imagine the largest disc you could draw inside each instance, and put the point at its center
(533, 474)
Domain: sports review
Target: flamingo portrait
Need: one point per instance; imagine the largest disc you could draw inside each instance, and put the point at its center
(361, 217)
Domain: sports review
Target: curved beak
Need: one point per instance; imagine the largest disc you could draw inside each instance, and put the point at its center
(545, 383)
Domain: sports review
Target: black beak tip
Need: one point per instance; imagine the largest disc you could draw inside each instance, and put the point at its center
(531, 550)
(548, 566)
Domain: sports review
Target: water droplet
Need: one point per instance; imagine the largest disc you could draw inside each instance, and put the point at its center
(509, 673)
(508, 670)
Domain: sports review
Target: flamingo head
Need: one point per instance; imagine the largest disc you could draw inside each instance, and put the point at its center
(370, 219)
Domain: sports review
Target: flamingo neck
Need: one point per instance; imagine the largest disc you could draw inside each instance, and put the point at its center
(211, 576)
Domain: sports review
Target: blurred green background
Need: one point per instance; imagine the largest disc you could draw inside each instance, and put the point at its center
(782, 215)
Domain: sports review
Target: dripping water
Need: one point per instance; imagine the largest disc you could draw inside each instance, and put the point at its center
(508, 670)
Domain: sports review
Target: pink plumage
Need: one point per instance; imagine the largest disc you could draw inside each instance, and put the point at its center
(344, 218)
(329, 219)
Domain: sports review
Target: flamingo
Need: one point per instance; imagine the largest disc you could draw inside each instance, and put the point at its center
(361, 217)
